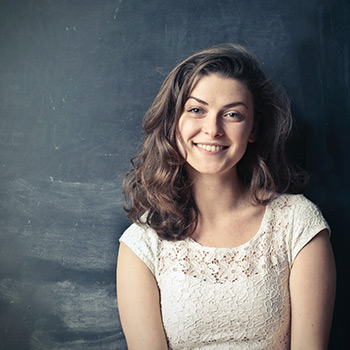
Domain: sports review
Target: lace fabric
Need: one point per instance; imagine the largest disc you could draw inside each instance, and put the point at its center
(230, 298)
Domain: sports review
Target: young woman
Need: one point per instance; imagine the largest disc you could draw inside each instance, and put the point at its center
(221, 254)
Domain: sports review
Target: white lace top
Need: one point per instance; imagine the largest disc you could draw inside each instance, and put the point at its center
(230, 298)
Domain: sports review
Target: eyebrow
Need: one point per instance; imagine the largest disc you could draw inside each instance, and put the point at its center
(233, 104)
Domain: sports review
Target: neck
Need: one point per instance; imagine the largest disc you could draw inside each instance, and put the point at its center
(217, 195)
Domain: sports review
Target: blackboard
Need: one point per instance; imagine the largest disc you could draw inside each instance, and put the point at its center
(76, 78)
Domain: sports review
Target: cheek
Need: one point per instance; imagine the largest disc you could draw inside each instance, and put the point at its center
(246, 132)
(188, 128)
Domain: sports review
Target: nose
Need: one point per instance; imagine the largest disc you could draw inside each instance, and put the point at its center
(212, 126)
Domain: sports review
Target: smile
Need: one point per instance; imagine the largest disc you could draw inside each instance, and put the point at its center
(210, 148)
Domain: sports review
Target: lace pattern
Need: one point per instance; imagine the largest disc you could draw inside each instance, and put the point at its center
(230, 298)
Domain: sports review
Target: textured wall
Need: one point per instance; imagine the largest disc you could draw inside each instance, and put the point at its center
(76, 78)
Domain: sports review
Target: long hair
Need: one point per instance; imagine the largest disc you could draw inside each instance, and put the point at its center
(158, 190)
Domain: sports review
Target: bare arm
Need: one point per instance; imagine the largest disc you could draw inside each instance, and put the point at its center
(138, 302)
(312, 288)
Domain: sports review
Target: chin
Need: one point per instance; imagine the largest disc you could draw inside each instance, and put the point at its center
(212, 171)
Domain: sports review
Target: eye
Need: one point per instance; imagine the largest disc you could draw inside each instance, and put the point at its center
(234, 115)
(194, 110)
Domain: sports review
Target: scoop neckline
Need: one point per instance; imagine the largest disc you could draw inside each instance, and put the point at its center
(191, 241)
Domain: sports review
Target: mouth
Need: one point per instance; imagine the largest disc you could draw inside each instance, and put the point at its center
(210, 148)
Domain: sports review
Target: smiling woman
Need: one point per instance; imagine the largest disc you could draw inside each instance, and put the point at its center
(224, 251)
(216, 125)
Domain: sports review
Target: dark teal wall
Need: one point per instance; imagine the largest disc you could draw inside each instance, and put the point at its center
(76, 78)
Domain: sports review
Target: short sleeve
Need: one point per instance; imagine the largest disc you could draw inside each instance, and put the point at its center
(144, 242)
(308, 221)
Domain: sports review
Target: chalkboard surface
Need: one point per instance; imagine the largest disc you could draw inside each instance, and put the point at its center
(76, 79)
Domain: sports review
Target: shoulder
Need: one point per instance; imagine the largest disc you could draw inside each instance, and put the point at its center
(296, 204)
(144, 242)
(298, 220)
(139, 231)
(288, 200)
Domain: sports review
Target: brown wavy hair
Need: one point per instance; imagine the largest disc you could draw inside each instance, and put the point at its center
(158, 190)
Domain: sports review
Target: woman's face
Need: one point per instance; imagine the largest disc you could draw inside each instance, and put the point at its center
(216, 125)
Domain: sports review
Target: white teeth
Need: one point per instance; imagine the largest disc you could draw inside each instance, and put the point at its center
(210, 148)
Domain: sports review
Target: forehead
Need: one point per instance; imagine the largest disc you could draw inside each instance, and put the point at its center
(217, 87)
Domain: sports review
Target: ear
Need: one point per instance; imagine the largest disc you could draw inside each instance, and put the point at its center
(254, 133)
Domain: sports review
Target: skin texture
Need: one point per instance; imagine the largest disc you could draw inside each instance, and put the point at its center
(219, 112)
